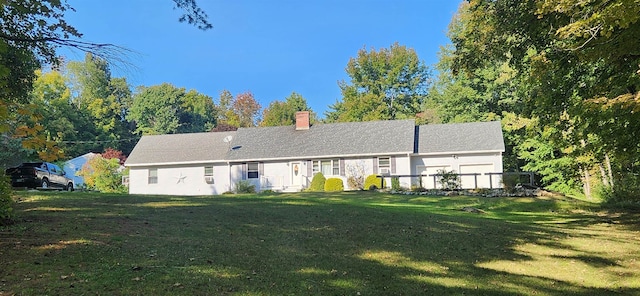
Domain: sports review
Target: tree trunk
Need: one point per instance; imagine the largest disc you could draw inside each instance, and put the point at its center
(586, 183)
(608, 162)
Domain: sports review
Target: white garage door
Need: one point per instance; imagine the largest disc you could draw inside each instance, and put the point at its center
(427, 182)
(469, 182)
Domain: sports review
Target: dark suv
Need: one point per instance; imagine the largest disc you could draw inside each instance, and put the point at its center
(39, 175)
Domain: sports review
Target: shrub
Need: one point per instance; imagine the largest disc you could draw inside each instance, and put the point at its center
(103, 175)
(625, 192)
(317, 183)
(509, 182)
(244, 186)
(395, 183)
(6, 201)
(355, 173)
(334, 185)
(449, 180)
(372, 182)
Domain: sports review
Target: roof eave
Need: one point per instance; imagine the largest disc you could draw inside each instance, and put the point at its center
(322, 156)
(173, 163)
(459, 152)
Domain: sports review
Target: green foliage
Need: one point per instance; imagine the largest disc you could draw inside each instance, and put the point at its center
(386, 84)
(317, 183)
(333, 185)
(576, 78)
(395, 183)
(625, 191)
(509, 182)
(166, 109)
(373, 182)
(448, 180)
(103, 175)
(6, 200)
(284, 113)
(244, 186)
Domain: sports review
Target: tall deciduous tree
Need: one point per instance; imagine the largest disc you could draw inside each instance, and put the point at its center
(105, 99)
(64, 123)
(247, 109)
(284, 113)
(386, 84)
(166, 109)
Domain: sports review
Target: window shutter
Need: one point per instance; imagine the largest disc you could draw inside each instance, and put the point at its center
(309, 168)
(342, 172)
(393, 164)
(375, 165)
(244, 171)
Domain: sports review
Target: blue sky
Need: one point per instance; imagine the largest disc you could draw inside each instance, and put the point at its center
(271, 48)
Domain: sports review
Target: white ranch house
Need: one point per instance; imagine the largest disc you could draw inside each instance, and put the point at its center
(285, 158)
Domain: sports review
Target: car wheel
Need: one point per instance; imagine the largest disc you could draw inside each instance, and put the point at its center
(70, 187)
(45, 183)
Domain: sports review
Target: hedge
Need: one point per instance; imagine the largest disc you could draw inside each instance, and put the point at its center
(334, 185)
(372, 182)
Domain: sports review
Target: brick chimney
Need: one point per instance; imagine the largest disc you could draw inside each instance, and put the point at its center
(302, 120)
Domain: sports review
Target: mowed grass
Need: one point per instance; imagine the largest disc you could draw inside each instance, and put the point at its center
(355, 243)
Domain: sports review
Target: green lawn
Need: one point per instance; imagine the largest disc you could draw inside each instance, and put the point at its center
(320, 244)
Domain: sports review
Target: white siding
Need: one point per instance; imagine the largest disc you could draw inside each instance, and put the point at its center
(460, 163)
(183, 180)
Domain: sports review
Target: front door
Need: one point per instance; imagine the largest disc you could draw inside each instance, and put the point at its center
(296, 174)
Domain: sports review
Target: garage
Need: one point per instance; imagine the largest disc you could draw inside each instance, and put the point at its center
(469, 182)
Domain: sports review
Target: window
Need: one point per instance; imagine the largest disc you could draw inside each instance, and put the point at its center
(153, 176)
(208, 171)
(384, 165)
(208, 174)
(252, 170)
(327, 167)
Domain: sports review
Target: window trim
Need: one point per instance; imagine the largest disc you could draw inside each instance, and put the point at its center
(384, 166)
(205, 171)
(253, 173)
(152, 176)
(333, 166)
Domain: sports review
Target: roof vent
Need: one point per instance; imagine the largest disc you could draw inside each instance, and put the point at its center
(302, 120)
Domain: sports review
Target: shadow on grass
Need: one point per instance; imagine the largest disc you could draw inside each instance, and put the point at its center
(328, 244)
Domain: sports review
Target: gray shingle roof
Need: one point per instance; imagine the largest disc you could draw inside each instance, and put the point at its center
(460, 137)
(180, 148)
(321, 140)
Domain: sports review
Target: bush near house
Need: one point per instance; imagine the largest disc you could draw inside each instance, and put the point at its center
(244, 186)
(395, 183)
(317, 183)
(334, 185)
(103, 175)
(449, 180)
(373, 182)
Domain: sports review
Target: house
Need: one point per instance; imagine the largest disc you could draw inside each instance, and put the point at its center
(285, 158)
(73, 166)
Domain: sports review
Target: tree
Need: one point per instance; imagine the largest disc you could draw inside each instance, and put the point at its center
(284, 113)
(385, 84)
(104, 175)
(226, 115)
(576, 70)
(247, 109)
(62, 122)
(105, 99)
(166, 109)
(111, 153)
